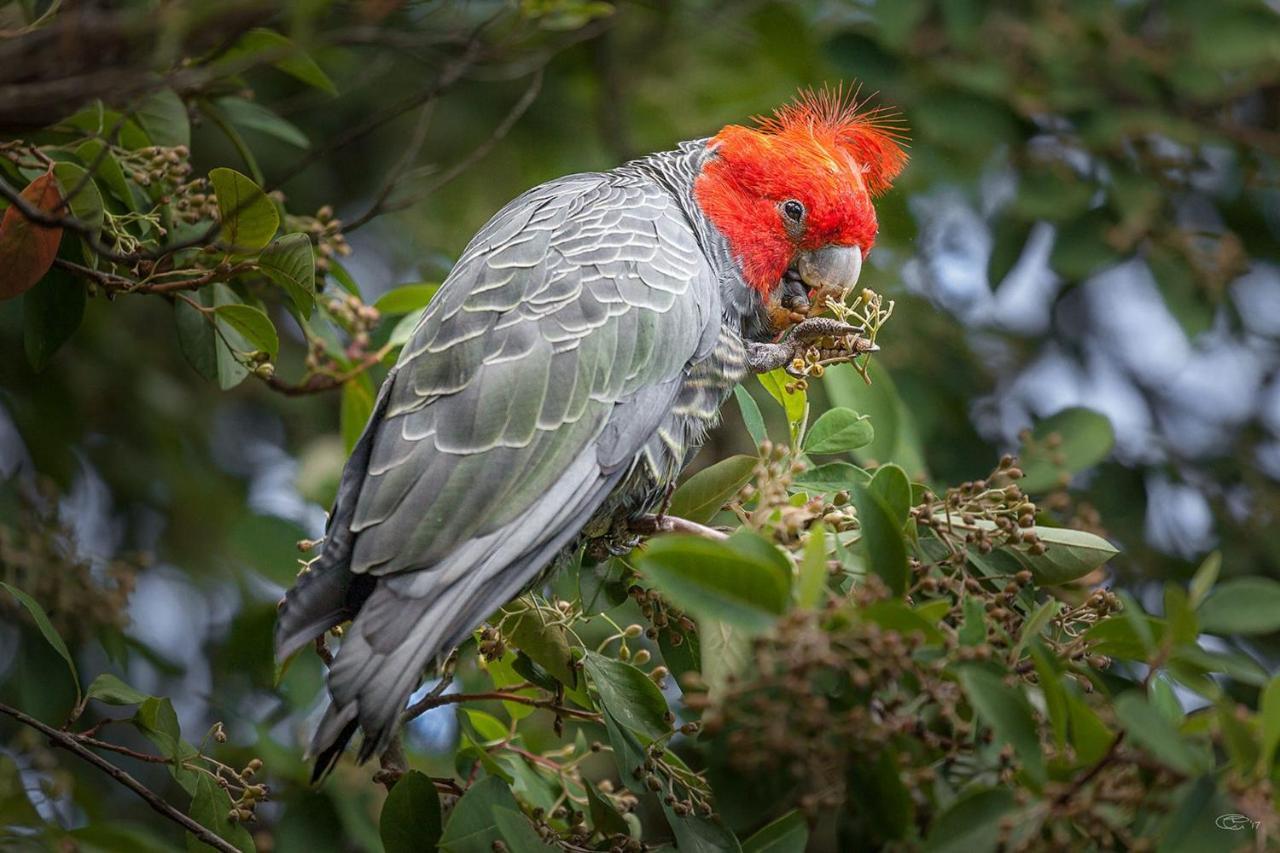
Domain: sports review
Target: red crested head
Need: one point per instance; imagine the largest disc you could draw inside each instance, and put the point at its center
(799, 181)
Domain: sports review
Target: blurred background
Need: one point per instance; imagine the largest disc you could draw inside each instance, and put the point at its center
(1090, 218)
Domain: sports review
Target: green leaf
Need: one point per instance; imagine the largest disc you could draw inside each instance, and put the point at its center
(249, 219)
(971, 823)
(628, 695)
(253, 116)
(86, 205)
(751, 417)
(891, 484)
(1184, 627)
(1062, 445)
(253, 325)
(1121, 637)
(725, 650)
(472, 827)
(1269, 718)
(1055, 696)
(108, 172)
(838, 430)
(793, 403)
(1034, 625)
(1009, 235)
(1081, 247)
(110, 689)
(290, 263)
(711, 578)
(410, 820)
(1249, 605)
(697, 834)
(283, 54)
(357, 406)
(518, 833)
(405, 327)
(406, 299)
(340, 274)
(1204, 579)
(210, 807)
(881, 538)
(1069, 554)
(813, 568)
(1089, 735)
(883, 800)
(163, 116)
(546, 642)
(51, 313)
(1008, 712)
(973, 630)
(1148, 728)
(208, 348)
(701, 496)
(16, 809)
(605, 819)
(896, 616)
(895, 437)
(830, 478)
(51, 635)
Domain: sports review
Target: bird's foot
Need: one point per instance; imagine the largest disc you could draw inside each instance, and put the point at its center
(828, 335)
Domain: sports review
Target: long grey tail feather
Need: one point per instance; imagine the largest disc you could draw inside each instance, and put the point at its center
(328, 594)
(413, 617)
(321, 598)
(383, 654)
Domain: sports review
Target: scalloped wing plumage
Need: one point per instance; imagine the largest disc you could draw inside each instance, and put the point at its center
(540, 375)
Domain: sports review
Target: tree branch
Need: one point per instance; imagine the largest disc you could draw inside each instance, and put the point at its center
(648, 525)
(70, 743)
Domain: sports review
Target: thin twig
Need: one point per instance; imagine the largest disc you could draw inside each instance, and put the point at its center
(650, 524)
(426, 703)
(73, 745)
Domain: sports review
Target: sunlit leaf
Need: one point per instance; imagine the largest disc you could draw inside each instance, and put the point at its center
(751, 417)
(838, 430)
(406, 299)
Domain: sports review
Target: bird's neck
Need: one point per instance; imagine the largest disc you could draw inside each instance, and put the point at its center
(677, 171)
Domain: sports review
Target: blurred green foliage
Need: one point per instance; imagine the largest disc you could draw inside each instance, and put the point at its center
(1064, 156)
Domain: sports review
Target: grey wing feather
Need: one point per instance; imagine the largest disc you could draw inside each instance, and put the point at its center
(525, 395)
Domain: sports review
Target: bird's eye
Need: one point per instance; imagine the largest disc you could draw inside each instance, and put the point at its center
(793, 210)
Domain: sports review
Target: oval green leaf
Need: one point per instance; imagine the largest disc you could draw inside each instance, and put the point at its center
(249, 219)
(837, 431)
(701, 496)
(712, 578)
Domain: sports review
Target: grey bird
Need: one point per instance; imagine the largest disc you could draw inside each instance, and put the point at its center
(565, 372)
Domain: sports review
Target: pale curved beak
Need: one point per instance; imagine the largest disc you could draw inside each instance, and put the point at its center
(831, 268)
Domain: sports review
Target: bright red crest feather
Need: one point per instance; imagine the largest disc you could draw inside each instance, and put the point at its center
(826, 151)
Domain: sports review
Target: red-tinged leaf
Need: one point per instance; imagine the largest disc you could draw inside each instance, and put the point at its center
(27, 249)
